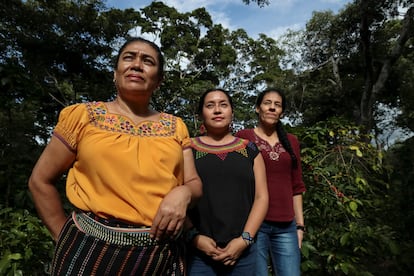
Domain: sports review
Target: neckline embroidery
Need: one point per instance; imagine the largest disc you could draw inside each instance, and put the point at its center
(221, 151)
(273, 152)
(102, 118)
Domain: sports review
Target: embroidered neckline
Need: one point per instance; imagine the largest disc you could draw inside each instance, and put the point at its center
(202, 149)
(273, 152)
(100, 116)
(237, 143)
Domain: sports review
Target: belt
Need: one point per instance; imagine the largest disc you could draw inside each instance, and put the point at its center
(114, 235)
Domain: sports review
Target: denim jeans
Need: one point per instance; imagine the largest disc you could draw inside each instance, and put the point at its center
(200, 264)
(281, 240)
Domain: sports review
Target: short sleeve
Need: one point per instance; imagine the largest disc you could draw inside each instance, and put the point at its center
(72, 120)
(253, 150)
(182, 134)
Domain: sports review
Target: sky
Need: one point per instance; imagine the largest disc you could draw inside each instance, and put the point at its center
(272, 20)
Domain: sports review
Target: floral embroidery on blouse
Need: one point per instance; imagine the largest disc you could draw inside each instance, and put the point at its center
(202, 149)
(100, 117)
(273, 152)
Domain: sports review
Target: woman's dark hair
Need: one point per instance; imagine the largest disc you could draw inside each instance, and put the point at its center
(160, 56)
(281, 133)
(203, 97)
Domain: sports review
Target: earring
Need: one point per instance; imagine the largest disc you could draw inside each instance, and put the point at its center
(202, 129)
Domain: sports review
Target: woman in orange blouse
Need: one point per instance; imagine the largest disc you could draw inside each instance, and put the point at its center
(126, 177)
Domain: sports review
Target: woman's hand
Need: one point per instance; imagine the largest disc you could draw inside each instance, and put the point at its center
(207, 245)
(169, 219)
(300, 237)
(232, 252)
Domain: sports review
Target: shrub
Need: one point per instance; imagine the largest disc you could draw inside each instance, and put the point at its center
(347, 182)
(26, 245)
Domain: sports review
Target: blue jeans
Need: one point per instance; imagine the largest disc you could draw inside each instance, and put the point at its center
(281, 240)
(201, 264)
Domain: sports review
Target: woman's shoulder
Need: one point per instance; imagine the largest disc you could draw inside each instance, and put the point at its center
(245, 133)
(74, 110)
(170, 117)
(247, 144)
(294, 140)
(85, 106)
(292, 137)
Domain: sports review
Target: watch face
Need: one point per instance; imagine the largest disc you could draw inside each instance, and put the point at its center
(248, 239)
(246, 236)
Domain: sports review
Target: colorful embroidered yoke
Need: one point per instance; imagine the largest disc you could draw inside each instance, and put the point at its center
(228, 188)
(122, 170)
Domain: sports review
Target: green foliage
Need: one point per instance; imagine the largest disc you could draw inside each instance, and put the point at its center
(400, 211)
(354, 61)
(52, 53)
(358, 206)
(26, 246)
(347, 230)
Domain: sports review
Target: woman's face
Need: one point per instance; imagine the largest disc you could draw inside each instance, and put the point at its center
(137, 71)
(270, 110)
(217, 111)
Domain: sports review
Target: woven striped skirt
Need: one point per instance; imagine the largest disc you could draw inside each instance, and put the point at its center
(89, 245)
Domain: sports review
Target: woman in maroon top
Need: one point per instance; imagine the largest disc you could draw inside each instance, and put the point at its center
(282, 231)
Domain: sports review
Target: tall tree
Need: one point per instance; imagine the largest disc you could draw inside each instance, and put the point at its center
(350, 58)
(53, 53)
(197, 57)
(378, 69)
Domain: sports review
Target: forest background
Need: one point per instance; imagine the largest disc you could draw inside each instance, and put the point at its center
(349, 81)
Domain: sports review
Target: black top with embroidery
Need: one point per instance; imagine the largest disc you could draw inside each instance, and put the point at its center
(228, 188)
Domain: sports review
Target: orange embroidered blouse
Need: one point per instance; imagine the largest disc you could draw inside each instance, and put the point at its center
(121, 170)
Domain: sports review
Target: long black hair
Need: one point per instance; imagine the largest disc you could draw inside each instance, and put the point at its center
(281, 132)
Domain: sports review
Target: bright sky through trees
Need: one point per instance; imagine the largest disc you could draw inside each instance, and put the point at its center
(272, 20)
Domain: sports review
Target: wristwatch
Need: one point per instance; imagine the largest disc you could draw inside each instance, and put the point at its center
(247, 238)
(301, 227)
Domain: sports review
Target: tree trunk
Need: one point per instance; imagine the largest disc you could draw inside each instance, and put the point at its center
(374, 85)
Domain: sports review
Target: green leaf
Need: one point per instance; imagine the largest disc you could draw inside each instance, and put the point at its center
(360, 180)
(15, 256)
(357, 150)
(344, 239)
(353, 205)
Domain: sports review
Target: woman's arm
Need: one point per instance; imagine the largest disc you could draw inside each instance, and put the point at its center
(298, 208)
(261, 200)
(256, 216)
(55, 160)
(191, 178)
(171, 214)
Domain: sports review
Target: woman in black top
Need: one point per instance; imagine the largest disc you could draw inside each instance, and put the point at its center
(235, 198)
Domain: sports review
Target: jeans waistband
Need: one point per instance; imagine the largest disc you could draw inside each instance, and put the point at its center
(115, 235)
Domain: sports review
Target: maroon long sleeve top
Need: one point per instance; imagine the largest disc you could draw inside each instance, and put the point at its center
(283, 181)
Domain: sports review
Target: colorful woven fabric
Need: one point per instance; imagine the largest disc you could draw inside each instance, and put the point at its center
(80, 253)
